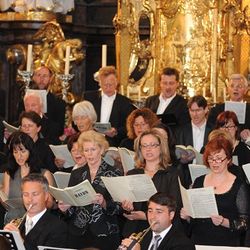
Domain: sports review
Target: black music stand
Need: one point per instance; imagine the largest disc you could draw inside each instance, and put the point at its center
(14, 238)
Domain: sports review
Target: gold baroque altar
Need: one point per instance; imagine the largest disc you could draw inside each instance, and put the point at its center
(206, 40)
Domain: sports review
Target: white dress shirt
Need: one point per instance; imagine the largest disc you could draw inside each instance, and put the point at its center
(164, 103)
(198, 135)
(162, 234)
(35, 218)
(106, 107)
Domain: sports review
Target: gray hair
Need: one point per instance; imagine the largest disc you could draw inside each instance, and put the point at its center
(34, 177)
(33, 94)
(84, 108)
(238, 77)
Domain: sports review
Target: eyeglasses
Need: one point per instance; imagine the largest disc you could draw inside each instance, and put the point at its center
(216, 160)
(229, 126)
(237, 86)
(150, 146)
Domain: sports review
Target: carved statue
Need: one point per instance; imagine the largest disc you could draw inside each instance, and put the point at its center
(49, 49)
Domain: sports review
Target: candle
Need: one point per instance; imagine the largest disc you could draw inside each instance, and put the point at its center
(29, 58)
(104, 55)
(214, 97)
(66, 69)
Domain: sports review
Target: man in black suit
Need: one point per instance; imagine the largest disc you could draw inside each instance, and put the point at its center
(163, 235)
(110, 106)
(49, 129)
(168, 103)
(237, 88)
(40, 227)
(42, 79)
(194, 133)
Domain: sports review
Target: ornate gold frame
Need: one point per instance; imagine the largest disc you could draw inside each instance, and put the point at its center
(206, 40)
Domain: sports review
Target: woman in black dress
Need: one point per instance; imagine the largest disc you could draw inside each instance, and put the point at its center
(152, 157)
(232, 197)
(137, 122)
(94, 225)
(228, 121)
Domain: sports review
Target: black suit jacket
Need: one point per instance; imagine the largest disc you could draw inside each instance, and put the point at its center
(185, 134)
(174, 240)
(122, 107)
(48, 231)
(218, 108)
(184, 137)
(55, 116)
(177, 107)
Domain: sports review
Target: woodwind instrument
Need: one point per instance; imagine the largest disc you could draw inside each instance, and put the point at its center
(18, 221)
(136, 238)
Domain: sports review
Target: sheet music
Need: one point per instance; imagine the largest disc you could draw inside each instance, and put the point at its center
(199, 202)
(61, 179)
(14, 238)
(239, 108)
(197, 170)
(81, 194)
(134, 188)
(200, 247)
(62, 152)
(246, 168)
(102, 127)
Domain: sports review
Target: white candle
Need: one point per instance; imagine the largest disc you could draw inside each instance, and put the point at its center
(66, 69)
(104, 55)
(214, 99)
(29, 58)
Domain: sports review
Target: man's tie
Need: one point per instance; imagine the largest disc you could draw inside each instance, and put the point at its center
(156, 240)
(28, 225)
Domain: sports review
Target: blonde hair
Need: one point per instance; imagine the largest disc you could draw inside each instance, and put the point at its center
(95, 137)
(219, 133)
(106, 71)
(165, 159)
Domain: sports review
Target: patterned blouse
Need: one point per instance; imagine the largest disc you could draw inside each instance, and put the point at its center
(101, 222)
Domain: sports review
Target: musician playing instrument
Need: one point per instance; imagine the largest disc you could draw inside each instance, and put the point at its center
(164, 235)
(39, 226)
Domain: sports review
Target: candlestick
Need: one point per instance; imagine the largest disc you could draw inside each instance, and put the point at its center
(66, 69)
(29, 58)
(104, 55)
